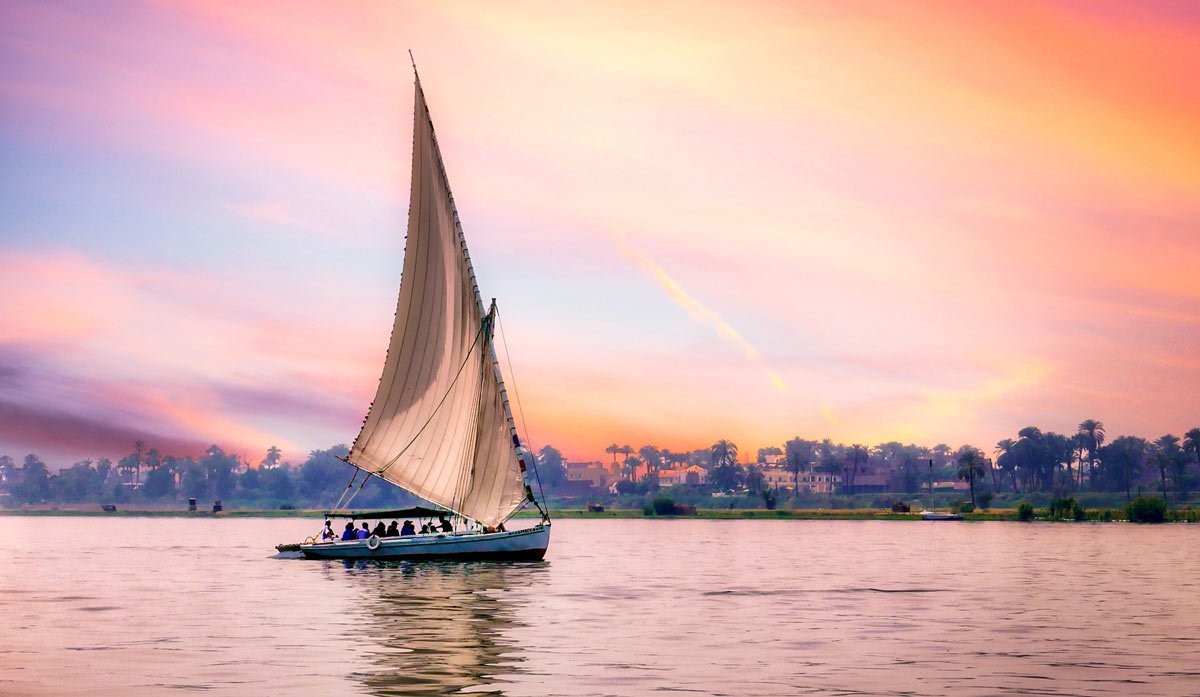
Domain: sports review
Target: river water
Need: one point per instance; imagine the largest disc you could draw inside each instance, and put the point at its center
(143, 606)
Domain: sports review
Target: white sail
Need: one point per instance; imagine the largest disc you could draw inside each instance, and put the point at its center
(439, 426)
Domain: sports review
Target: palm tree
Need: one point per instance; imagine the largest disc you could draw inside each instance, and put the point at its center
(1166, 452)
(630, 468)
(834, 467)
(626, 451)
(1078, 446)
(139, 447)
(35, 481)
(1191, 444)
(1092, 432)
(271, 461)
(1122, 460)
(651, 456)
(1004, 459)
(856, 452)
(970, 467)
(724, 452)
(798, 454)
(614, 449)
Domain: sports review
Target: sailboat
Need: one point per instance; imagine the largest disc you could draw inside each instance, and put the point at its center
(441, 426)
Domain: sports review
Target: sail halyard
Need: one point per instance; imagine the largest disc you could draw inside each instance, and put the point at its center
(440, 426)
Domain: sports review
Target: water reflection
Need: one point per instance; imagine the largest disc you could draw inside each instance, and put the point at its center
(438, 627)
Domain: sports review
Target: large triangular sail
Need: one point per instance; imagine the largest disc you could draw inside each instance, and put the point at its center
(439, 426)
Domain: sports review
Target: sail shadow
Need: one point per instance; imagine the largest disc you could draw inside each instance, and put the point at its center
(439, 627)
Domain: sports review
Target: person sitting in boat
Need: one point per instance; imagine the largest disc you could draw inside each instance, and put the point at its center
(393, 530)
(364, 532)
(380, 530)
(328, 534)
(425, 529)
(348, 534)
(445, 525)
(408, 529)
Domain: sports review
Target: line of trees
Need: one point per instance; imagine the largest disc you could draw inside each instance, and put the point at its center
(147, 477)
(1083, 461)
(1035, 461)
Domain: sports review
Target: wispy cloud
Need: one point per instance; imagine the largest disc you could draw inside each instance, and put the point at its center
(42, 429)
(276, 213)
(172, 357)
(695, 309)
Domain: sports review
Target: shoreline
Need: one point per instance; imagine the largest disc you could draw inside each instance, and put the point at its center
(999, 514)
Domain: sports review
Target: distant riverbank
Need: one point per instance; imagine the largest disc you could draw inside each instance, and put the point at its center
(715, 514)
(707, 514)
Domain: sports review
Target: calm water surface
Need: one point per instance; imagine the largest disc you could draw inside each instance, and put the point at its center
(105, 606)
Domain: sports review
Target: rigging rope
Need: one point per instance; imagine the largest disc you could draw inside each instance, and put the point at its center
(432, 414)
(520, 409)
(360, 488)
(338, 505)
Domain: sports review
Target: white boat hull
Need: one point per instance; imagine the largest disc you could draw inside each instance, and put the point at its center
(936, 515)
(527, 544)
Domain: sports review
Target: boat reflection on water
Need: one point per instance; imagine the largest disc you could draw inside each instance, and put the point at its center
(439, 627)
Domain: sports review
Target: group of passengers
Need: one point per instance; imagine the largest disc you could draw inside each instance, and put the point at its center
(393, 530)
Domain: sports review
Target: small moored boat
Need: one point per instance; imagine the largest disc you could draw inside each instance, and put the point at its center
(939, 515)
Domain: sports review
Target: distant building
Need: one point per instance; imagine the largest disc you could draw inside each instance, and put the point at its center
(810, 480)
(595, 473)
(819, 482)
(778, 477)
(687, 475)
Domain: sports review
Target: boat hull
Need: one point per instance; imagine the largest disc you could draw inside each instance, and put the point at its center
(933, 515)
(528, 544)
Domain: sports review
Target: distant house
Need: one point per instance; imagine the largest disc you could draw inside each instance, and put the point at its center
(597, 474)
(687, 475)
(819, 482)
(778, 477)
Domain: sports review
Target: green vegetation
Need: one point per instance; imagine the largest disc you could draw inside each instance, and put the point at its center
(1187, 515)
(1081, 477)
(970, 468)
(146, 480)
(1146, 509)
(1065, 508)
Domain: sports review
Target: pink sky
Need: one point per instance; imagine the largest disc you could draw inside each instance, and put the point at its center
(868, 222)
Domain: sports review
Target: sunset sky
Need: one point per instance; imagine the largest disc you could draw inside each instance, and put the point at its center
(926, 222)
